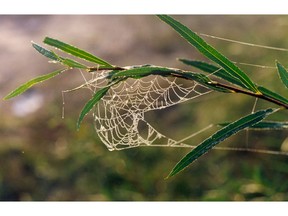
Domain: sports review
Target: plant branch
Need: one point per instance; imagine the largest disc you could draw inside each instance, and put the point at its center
(261, 96)
(93, 69)
(184, 74)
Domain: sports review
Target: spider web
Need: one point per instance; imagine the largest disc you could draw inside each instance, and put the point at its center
(119, 117)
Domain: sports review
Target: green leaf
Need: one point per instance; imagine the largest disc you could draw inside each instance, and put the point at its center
(91, 103)
(55, 57)
(75, 51)
(283, 73)
(24, 87)
(272, 95)
(264, 125)
(212, 69)
(140, 72)
(220, 136)
(221, 73)
(45, 52)
(73, 64)
(210, 52)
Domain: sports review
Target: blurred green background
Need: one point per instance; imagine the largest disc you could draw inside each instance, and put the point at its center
(44, 157)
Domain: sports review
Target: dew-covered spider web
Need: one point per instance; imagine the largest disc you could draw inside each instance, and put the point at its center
(119, 117)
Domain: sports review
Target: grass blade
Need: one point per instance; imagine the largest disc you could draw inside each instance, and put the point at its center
(264, 125)
(220, 136)
(210, 52)
(24, 87)
(283, 73)
(212, 69)
(75, 51)
(90, 104)
(55, 57)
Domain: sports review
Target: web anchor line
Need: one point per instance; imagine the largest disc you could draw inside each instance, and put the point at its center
(245, 43)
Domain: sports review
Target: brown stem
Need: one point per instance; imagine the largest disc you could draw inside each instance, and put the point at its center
(261, 96)
(92, 69)
(180, 73)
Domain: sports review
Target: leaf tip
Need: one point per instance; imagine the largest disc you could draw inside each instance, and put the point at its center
(283, 73)
(169, 176)
(173, 172)
(5, 98)
(78, 123)
(34, 44)
(10, 95)
(180, 59)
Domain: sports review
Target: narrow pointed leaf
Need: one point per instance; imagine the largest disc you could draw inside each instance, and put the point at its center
(210, 52)
(24, 87)
(264, 125)
(283, 73)
(220, 73)
(75, 51)
(272, 95)
(220, 136)
(91, 103)
(212, 69)
(45, 52)
(73, 64)
(55, 57)
(140, 72)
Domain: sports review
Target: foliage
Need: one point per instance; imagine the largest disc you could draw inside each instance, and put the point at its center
(233, 80)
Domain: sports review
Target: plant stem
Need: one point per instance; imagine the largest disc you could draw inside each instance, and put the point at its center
(182, 74)
(261, 96)
(93, 69)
